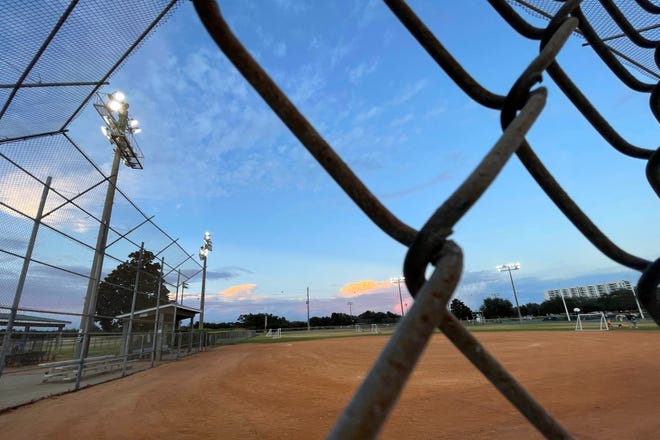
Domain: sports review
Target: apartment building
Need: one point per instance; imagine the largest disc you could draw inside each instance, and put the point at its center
(590, 291)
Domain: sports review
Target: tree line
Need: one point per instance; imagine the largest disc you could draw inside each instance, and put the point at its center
(494, 307)
(115, 297)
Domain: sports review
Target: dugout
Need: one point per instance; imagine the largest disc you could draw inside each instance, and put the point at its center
(28, 347)
(157, 328)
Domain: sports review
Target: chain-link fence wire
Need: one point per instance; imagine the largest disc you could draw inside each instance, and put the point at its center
(628, 30)
(371, 404)
(67, 51)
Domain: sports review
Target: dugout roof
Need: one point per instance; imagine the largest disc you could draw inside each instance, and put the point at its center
(182, 312)
(33, 321)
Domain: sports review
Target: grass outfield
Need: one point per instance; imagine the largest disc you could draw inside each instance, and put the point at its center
(289, 335)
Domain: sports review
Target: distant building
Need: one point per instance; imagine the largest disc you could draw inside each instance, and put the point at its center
(591, 291)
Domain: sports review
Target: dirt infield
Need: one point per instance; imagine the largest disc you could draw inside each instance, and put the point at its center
(598, 384)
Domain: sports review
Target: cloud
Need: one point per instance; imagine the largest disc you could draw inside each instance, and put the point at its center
(364, 287)
(408, 92)
(361, 70)
(25, 197)
(440, 178)
(226, 273)
(339, 52)
(369, 114)
(366, 11)
(295, 6)
(243, 292)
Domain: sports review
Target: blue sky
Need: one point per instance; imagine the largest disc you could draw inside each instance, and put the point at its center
(218, 159)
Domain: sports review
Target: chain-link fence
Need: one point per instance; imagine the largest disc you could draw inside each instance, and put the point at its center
(66, 224)
(519, 108)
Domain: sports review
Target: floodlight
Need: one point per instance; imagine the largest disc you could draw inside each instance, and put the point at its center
(104, 130)
(510, 266)
(137, 130)
(134, 123)
(118, 96)
(114, 105)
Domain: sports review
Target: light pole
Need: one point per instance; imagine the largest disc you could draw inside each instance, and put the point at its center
(398, 280)
(350, 308)
(309, 328)
(184, 285)
(203, 254)
(641, 314)
(509, 267)
(568, 316)
(119, 130)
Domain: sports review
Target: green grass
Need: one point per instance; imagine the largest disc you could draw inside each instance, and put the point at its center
(511, 326)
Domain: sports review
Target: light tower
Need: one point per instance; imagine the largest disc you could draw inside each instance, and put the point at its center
(398, 280)
(119, 129)
(203, 254)
(508, 268)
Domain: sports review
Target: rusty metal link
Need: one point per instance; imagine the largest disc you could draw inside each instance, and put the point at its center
(571, 91)
(432, 235)
(647, 289)
(551, 44)
(363, 417)
(369, 408)
(209, 13)
(525, 153)
(557, 20)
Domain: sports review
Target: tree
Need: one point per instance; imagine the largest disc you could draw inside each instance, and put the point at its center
(460, 310)
(530, 309)
(497, 308)
(115, 294)
(257, 321)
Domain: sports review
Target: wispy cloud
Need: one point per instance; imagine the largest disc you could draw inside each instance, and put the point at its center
(408, 92)
(421, 186)
(25, 199)
(363, 69)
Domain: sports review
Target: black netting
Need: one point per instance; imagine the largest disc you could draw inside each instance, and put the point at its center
(81, 45)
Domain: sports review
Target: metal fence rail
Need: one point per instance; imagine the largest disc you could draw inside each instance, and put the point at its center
(519, 108)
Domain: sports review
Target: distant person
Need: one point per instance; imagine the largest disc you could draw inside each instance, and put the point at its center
(609, 323)
(633, 321)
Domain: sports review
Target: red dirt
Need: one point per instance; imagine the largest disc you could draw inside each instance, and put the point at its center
(597, 384)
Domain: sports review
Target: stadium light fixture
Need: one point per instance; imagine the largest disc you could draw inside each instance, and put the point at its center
(119, 128)
(398, 280)
(508, 268)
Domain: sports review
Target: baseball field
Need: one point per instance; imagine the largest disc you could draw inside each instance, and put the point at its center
(599, 385)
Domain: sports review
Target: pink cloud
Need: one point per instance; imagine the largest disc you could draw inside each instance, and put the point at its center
(364, 287)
